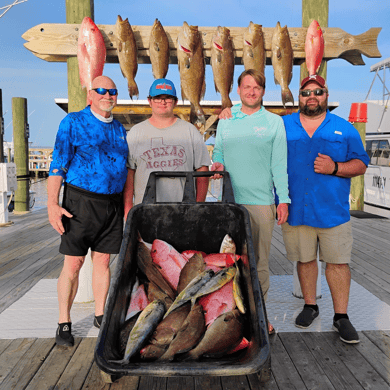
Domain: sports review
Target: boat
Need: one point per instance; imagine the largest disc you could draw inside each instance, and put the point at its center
(377, 176)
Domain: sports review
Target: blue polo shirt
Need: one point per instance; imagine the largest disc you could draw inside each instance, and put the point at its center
(320, 200)
(91, 154)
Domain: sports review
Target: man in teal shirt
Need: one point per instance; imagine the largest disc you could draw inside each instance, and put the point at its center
(252, 147)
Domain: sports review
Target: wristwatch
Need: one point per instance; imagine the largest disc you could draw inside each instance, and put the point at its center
(336, 168)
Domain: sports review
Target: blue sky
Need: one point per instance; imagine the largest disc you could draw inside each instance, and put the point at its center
(24, 75)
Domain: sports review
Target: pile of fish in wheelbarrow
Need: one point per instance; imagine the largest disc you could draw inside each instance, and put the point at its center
(188, 305)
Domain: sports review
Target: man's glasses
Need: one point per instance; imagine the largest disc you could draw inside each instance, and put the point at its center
(103, 91)
(317, 92)
(165, 99)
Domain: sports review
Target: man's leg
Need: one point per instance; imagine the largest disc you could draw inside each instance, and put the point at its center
(338, 277)
(67, 285)
(100, 280)
(262, 220)
(307, 274)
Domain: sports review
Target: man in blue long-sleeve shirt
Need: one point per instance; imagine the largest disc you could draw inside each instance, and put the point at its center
(90, 156)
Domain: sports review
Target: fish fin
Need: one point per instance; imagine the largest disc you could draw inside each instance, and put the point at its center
(287, 97)
(216, 88)
(219, 57)
(203, 91)
(187, 62)
(183, 95)
(156, 46)
(120, 47)
(276, 81)
(278, 53)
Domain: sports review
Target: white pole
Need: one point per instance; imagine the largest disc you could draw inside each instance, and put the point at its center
(297, 292)
(84, 292)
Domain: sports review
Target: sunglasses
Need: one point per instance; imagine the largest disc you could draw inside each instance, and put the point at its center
(165, 99)
(307, 92)
(103, 91)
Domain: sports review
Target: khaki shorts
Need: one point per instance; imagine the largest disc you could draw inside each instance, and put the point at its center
(335, 244)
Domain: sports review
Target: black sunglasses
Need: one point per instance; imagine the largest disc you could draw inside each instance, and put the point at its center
(317, 92)
(103, 91)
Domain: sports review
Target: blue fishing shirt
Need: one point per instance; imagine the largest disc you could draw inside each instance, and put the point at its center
(320, 200)
(253, 149)
(91, 154)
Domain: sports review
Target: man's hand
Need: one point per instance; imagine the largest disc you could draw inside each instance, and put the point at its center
(324, 164)
(55, 217)
(282, 212)
(217, 167)
(225, 113)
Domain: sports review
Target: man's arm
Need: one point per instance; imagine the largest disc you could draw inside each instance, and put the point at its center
(54, 210)
(325, 165)
(202, 185)
(128, 191)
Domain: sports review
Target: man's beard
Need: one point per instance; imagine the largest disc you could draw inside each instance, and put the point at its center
(107, 109)
(318, 110)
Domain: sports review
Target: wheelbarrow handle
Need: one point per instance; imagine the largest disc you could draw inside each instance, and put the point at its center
(189, 195)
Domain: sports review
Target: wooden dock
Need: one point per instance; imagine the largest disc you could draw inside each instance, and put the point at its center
(309, 360)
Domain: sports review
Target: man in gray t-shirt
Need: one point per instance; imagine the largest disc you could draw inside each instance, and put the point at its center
(164, 143)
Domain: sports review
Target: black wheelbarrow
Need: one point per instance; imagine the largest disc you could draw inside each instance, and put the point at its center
(186, 225)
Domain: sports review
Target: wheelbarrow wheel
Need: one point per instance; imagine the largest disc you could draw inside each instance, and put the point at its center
(108, 378)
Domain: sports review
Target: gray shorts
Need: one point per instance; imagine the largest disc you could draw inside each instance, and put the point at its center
(334, 244)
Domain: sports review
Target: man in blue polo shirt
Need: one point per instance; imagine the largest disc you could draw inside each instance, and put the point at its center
(324, 152)
(90, 155)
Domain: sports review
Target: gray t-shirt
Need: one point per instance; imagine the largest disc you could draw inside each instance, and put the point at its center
(179, 147)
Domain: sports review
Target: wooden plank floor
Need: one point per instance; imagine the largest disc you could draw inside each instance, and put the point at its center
(318, 360)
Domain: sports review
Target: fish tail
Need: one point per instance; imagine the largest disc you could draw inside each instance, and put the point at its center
(197, 117)
(287, 97)
(226, 102)
(133, 89)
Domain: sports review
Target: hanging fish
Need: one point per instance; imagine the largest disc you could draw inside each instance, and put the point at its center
(222, 62)
(282, 61)
(314, 48)
(192, 70)
(159, 50)
(253, 55)
(91, 52)
(127, 54)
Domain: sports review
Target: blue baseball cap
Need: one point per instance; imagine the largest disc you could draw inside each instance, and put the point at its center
(162, 87)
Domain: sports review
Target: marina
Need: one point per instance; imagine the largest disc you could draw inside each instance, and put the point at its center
(301, 359)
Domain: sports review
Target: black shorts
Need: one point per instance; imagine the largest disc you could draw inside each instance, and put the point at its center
(97, 222)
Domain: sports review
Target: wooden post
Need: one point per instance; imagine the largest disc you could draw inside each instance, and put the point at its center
(19, 118)
(1, 128)
(357, 183)
(315, 10)
(76, 11)
(312, 10)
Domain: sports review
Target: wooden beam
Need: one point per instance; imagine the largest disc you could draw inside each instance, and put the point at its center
(55, 42)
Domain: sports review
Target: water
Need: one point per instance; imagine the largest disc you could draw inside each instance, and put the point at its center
(38, 185)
